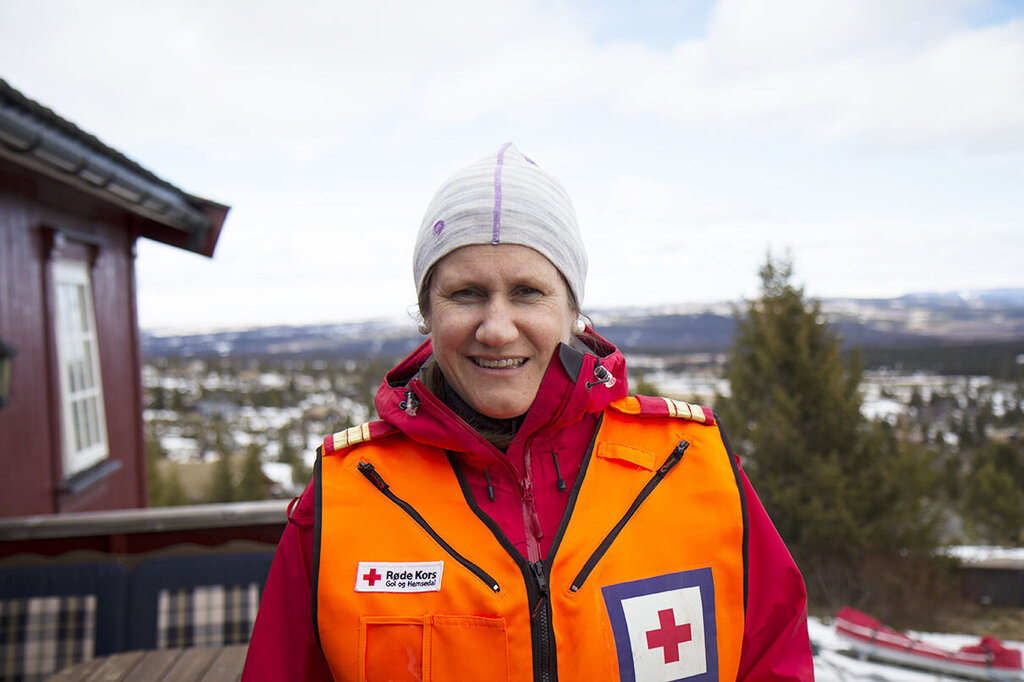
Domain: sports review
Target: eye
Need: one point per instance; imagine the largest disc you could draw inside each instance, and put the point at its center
(525, 291)
(466, 294)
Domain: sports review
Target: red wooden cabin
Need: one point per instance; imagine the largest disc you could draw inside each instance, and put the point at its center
(71, 210)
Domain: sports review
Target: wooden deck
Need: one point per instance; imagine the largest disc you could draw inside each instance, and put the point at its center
(199, 664)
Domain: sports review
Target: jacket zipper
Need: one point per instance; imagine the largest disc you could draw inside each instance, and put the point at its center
(531, 519)
(370, 473)
(670, 462)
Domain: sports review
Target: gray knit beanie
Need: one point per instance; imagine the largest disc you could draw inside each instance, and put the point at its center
(504, 198)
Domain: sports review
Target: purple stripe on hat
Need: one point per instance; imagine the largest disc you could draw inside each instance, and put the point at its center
(496, 225)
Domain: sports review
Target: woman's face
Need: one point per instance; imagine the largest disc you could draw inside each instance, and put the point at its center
(497, 313)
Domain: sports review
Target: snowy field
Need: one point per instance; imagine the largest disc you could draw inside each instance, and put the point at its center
(832, 666)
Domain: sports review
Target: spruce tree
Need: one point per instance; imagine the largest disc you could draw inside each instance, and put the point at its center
(993, 502)
(793, 408)
(290, 456)
(837, 487)
(252, 485)
(154, 481)
(222, 486)
(174, 491)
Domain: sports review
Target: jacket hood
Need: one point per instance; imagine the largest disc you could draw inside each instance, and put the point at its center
(576, 382)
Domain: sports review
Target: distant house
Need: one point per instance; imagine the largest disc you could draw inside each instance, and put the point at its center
(71, 210)
(995, 581)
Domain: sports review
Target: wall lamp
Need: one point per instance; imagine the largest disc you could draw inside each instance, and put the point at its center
(6, 362)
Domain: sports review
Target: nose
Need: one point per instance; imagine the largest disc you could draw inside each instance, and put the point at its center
(498, 326)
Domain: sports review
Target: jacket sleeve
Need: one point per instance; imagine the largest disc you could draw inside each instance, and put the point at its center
(776, 645)
(284, 645)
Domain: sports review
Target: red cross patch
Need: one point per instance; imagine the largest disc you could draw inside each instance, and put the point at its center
(372, 576)
(664, 627)
(406, 576)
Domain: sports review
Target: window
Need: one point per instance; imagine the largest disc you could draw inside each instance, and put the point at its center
(84, 425)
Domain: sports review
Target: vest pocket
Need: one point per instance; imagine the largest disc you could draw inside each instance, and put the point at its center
(466, 648)
(392, 649)
(433, 648)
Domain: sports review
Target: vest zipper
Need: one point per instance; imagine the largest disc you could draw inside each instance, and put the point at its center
(544, 664)
(370, 473)
(535, 579)
(670, 462)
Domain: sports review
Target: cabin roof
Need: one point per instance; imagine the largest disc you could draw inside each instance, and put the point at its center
(35, 137)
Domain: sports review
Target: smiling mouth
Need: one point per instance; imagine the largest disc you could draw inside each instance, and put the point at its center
(504, 363)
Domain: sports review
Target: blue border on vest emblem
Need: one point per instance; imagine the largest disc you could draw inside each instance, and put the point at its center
(614, 595)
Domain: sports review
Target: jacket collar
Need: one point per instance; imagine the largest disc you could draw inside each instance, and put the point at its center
(576, 383)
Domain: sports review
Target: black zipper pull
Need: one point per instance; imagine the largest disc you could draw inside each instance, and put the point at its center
(367, 470)
(490, 488)
(673, 459)
(558, 472)
(542, 585)
(538, 573)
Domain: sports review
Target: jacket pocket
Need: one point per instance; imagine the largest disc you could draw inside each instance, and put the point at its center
(433, 648)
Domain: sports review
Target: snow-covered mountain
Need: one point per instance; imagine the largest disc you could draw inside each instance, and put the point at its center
(916, 319)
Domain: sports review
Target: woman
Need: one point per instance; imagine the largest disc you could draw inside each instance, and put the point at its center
(515, 514)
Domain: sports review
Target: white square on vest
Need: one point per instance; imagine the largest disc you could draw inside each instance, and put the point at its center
(664, 627)
(666, 634)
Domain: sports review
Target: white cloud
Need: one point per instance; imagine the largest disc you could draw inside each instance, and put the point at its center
(308, 77)
(748, 36)
(825, 126)
(840, 72)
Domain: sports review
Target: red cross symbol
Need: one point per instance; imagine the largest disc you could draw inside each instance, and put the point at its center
(372, 577)
(669, 635)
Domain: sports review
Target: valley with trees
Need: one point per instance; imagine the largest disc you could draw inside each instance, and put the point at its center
(870, 456)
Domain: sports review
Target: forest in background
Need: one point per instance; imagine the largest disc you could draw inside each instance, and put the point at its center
(863, 497)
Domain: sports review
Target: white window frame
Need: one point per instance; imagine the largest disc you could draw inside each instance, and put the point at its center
(83, 419)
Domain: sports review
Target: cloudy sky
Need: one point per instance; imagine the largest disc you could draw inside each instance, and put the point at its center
(880, 142)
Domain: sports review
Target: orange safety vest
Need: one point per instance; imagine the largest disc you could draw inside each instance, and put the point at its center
(647, 580)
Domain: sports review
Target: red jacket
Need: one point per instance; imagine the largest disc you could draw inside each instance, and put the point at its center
(524, 490)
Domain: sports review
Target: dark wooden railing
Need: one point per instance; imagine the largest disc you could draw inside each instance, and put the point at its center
(238, 535)
(132, 531)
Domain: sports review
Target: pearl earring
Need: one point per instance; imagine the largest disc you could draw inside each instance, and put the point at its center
(578, 326)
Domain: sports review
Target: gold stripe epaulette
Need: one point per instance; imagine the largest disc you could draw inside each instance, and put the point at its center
(355, 435)
(648, 406)
(351, 436)
(681, 410)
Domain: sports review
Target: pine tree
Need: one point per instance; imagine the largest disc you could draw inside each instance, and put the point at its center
(154, 481)
(793, 408)
(174, 491)
(222, 486)
(289, 455)
(252, 485)
(837, 487)
(993, 502)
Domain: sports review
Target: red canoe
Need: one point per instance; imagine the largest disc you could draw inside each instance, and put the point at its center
(986, 660)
